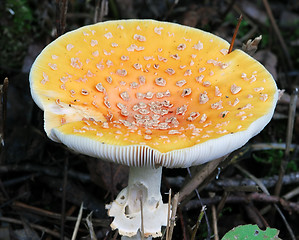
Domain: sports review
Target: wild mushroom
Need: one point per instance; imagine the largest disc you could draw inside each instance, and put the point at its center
(149, 94)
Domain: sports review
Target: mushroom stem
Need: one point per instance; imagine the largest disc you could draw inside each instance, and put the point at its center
(136, 237)
(144, 185)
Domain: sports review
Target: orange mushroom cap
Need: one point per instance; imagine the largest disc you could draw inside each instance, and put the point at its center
(143, 92)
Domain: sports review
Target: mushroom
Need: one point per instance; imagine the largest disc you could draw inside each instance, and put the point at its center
(149, 94)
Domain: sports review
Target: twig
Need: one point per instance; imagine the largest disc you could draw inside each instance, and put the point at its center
(235, 34)
(277, 32)
(268, 182)
(96, 10)
(198, 222)
(142, 219)
(205, 214)
(61, 11)
(291, 194)
(253, 214)
(206, 171)
(168, 215)
(18, 180)
(196, 180)
(290, 129)
(222, 202)
(77, 223)
(45, 170)
(90, 227)
(49, 214)
(115, 235)
(35, 226)
(233, 199)
(241, 188)
(174, 208)
(103, 10)
(183, 225)
(270, 146)
(214, 217)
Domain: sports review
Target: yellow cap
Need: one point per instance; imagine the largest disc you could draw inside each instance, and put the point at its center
(143, 92)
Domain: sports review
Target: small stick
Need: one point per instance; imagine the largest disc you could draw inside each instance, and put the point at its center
(61, 11)
(41, 212)
(35, 226)
(142, 225)
(183, 227)
(115, 235)
(222, 202)
(197, 179)
(90, 227)
(198, 222)
(78, 222)
(290, 129)
(96, 11)
(168, 215)
(104, 10)
(100, 12)
(175, 202)
(279, 35)
(253, 197)
(214, 217)
(235, 34)
(291, 194)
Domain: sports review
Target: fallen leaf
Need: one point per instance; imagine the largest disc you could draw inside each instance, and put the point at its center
(251, 46)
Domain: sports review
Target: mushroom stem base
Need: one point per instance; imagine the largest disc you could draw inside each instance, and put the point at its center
(139, 205)
(136, 237)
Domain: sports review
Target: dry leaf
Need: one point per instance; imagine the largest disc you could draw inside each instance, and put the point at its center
(251, 46)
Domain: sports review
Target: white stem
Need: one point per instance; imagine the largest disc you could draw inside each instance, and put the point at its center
(136, 237)
(144, 185)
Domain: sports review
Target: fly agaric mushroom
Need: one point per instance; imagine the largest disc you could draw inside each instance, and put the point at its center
(149, 94)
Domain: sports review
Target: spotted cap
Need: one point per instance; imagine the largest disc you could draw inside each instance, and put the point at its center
(143, 92)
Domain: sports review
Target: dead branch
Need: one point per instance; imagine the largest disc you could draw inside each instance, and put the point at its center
(199, 178)
(278, 34)
(269, 182)
(255, 197)
(290, 129)
(41, 212)
(35, 226)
